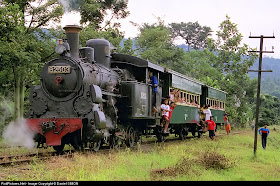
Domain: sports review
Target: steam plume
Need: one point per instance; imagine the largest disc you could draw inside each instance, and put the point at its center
(17, 133)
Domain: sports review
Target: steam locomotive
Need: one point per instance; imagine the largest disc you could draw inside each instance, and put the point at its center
(88, 97)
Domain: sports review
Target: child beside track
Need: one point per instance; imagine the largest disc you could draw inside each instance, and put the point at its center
(211, 127)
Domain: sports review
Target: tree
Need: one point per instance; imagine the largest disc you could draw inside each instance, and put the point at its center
(269, 109)
(194, 34)
(128, 47)
(97, 12)
(114, 35)
(234, 62)
(155, 44)
(23, 47)
(98, 19)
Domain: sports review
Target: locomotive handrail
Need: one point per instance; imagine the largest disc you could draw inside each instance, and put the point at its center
(61, 127)
(110, 94)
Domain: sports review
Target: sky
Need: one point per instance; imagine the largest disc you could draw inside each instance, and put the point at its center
(260, 17)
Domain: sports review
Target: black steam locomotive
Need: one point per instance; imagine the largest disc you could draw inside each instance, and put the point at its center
(88, 97)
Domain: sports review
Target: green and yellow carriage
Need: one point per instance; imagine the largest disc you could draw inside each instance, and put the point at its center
(135, 108)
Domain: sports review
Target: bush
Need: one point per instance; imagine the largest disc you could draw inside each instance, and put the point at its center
(215, 160)
(209, 159)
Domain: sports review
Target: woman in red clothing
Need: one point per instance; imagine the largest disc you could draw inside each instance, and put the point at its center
(211, 127)
(172, 106)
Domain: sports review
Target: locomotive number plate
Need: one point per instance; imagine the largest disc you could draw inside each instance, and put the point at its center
(59, 69)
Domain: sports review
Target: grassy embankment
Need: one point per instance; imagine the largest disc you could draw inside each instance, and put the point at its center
(226, 158)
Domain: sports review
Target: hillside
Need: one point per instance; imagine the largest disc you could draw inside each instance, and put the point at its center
(270, 80)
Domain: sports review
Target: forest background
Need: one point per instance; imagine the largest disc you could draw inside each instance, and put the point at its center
(29, 30)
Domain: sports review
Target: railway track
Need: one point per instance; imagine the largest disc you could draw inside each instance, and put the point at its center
(26, 158)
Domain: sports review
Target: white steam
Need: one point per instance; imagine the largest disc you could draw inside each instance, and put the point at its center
(70, 17)
(17, 133)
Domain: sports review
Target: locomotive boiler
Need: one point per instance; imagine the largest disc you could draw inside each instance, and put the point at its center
(74, 103)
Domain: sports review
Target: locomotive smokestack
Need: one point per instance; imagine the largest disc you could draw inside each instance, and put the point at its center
(72, 35)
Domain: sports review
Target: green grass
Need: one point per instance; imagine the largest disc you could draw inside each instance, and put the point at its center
(227, 158)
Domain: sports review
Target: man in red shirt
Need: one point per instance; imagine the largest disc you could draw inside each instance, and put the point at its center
(211, 127)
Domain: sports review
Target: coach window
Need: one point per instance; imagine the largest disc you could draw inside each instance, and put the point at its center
(188, 98)
(222, 105)
(184, 99)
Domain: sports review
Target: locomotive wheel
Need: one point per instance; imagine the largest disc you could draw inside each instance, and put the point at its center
(160, 136)
(130, 137)
(114, 142)
(182, 134)
(59, 148)
(199, 134)
(95, 146)
(76, 142)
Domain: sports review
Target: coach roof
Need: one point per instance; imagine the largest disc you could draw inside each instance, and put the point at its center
(135, 61)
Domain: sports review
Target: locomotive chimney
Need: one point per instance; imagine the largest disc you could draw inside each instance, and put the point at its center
(72, 35)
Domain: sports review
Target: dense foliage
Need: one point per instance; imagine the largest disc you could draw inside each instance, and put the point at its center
(269, 110)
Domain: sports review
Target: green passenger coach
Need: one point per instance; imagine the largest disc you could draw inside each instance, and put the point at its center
(215, 98)
(135, 109)
(190, 89)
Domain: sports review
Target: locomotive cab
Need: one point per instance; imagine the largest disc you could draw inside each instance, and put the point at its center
(138, 92)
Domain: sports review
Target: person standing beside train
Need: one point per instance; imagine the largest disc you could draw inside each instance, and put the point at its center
(207, 112)
(154, 82)
(211, 127)
(227, 124)
(202, 117)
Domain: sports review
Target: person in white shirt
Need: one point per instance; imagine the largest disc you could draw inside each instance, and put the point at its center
(207, 112)
(165, 108)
